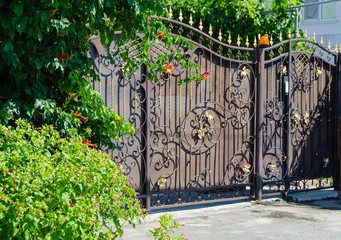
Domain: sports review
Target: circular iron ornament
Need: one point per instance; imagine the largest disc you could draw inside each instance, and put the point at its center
(202, 126)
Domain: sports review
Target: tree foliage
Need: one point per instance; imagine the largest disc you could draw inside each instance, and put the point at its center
(44, 69)
(243, 18)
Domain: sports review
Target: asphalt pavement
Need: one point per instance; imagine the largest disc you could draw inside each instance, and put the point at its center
(245, 219)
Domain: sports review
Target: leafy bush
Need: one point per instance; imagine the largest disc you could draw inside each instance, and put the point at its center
(167, 227)
(54, 187)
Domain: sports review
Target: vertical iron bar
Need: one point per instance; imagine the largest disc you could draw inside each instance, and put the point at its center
(260, 100)
(147, 158)
(338, 123)
(288, 124)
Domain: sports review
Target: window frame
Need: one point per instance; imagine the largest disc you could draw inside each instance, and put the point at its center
(319, 15)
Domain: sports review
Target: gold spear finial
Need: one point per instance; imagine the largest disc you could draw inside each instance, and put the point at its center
(271, 41)
(335, 47)
(289, 34)
(329, 46)
(238, 40)
(255, 42)
(247, 44)
(180, 16)
(220, 37)
(297, 33)
(305, 34)
(314, 36)
(280, 36)
(321, 40)
(229, 40)
(190, 19)
(200, 25)
(210, 32)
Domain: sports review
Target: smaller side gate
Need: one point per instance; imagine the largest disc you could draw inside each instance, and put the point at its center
(263, 122)
(297, 143)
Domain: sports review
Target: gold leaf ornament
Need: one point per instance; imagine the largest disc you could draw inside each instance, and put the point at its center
(306, 118)
(209, 116)
(201, 133)
(244, 72)
(161, 181)
(272, 167)
(284, 70)
(247, 168)
(297, 118)
(325, 161)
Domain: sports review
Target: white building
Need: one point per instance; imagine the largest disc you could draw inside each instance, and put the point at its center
(324, 19)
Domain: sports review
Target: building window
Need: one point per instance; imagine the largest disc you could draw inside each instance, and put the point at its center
(321, 11)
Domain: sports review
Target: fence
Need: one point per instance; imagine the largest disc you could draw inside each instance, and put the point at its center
(264, 121)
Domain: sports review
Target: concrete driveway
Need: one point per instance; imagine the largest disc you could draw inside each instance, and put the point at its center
(270, 219)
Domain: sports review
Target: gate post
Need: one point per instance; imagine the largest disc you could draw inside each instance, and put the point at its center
(147, 201)
(288, 125)
(260, 111)
(338, 123)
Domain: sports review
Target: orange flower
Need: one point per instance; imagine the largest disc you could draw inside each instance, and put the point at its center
(76, 114)
(85, 119)
(86, 142)
(169, 68)
(93, 145)
(72, 94)
(160, 34)
(204, 75)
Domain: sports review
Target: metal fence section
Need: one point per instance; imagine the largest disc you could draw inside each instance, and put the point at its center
(264, 121)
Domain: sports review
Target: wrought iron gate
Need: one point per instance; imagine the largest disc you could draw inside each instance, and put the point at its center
(264, 121)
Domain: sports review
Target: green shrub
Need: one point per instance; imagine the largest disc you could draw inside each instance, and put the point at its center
(54, 187)
(166, 229)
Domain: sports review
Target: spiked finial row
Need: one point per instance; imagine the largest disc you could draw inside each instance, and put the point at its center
(247, 43)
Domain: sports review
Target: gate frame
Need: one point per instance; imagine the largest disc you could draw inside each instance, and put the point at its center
(259, 85)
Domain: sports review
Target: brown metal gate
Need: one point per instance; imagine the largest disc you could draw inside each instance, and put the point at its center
(264, 121)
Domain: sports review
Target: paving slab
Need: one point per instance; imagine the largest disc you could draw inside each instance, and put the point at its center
(270, 219)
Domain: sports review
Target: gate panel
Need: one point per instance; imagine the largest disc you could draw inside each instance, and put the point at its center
(202, 133)
(300, 131)
(313, 129)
